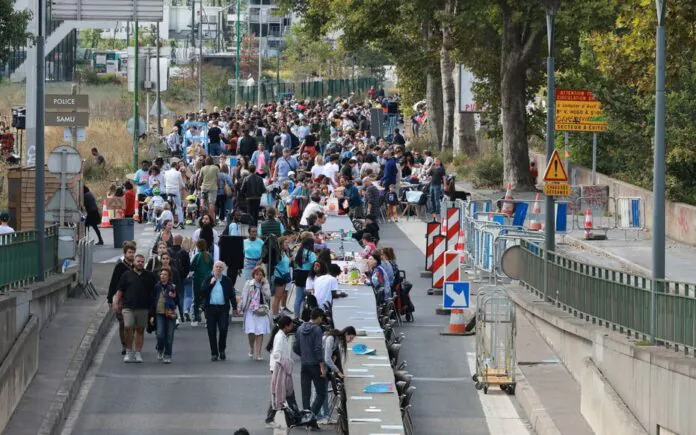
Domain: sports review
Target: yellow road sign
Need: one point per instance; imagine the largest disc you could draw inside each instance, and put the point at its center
(578, 110)
(555, 171)
(556, 189)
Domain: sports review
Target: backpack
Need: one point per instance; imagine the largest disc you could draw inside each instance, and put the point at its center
(270, 253)
(294, 140)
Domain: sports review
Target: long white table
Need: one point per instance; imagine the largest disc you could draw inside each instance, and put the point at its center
(336, 223)
(368, 413)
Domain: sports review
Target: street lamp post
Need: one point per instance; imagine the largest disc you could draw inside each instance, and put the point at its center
(550, 221)
(237, 54)
(658, 240)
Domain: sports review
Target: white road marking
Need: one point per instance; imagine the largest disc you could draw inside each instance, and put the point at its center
(111, 260)
(86, 386)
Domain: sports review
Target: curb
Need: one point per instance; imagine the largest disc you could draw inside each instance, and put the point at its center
(54, 420)
(539, 419)
(631, 266)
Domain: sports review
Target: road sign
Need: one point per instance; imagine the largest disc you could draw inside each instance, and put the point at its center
(81, 134)
(578, 110)
(67, 119)
(456, 294)
(555, 171)
(64, 158)
(142, 128)
(66, 102)
(557, 189)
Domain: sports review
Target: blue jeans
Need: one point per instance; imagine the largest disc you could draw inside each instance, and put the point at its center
(214, 149)
(186, 302)
(165, 334)
(299, 297)
(435, 194)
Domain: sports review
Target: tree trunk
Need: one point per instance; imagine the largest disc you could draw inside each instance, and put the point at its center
(433, 97)
(515, 146)
(464, 140)
(448, 98)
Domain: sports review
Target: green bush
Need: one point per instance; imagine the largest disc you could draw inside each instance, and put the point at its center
(463, 172)
(421, 143)
(89, 77)
(488, 171)
(461, 160)
(446, 157)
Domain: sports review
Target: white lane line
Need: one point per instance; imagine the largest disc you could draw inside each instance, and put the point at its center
(178, 376)
(111, 260)
(86, 386)
(500, 412)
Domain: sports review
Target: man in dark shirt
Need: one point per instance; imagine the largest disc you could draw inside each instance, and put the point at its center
(123, 265)
(372, 197)
(214, 138)
(134, 298)
(247, 145)
(398, 138)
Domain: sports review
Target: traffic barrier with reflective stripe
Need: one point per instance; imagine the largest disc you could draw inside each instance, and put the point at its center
(432, 230)
(451, 266)
(453, 225)
(629, 213)
(439, 248)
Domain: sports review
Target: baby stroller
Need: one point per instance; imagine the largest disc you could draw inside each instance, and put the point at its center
(402, 299)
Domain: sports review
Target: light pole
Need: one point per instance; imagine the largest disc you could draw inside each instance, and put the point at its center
(200, 57)
(39, 200)
(658, 241)
(550, 222)
(236, 55)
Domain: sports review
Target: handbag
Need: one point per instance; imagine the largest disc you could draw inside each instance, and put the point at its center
(294, 209)
(261, 311)
(228, 190)
(300, 277)
(170, 313)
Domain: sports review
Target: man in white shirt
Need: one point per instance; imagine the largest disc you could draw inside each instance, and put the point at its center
(324, 285)
(311, 208)
(5, 227)
(174, 184)
(331, 169)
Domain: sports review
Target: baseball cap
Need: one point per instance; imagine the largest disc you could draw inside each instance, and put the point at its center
(291, 173)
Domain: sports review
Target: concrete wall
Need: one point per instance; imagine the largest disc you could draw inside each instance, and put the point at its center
(680, 219)
(18, 369)
(625, 389)
(23, 313)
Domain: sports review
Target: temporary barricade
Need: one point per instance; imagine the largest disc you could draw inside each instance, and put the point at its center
(438, 262)
(601, 219)
(452, 226)
(451, 269)
(85, 250)
(630, 213)
(432, 230)
(504, 240)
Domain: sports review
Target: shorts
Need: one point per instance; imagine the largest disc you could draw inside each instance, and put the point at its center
(210, 195)
(280, 281)
(134, 317)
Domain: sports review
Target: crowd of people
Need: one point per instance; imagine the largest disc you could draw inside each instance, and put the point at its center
(259, 188)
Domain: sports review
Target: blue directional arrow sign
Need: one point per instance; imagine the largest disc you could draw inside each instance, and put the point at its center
(456, 294)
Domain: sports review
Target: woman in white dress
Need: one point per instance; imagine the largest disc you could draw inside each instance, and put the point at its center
(255, 302)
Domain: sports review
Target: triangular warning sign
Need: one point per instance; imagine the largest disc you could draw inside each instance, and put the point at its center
(555, 171)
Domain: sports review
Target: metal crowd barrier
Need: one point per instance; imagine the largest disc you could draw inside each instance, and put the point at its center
(602, 220)
(630, 214)
(85, 252)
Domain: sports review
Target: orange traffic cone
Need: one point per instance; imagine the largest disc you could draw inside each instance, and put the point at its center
(507, 202)
(443, 226)
(588, 224)
(457, 323)
(534, 224)
(460, 247)
(105, 222)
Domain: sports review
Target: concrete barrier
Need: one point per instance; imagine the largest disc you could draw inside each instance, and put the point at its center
(18, 369)
(639, 387)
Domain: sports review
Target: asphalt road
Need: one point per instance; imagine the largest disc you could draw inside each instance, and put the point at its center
(195, 395)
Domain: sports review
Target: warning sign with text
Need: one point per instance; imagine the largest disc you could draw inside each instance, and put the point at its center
(578, 110)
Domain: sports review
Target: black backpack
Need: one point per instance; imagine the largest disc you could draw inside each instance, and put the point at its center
(294, 141)
(270, 253)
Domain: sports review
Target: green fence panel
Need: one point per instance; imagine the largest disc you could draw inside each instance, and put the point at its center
(19, 253)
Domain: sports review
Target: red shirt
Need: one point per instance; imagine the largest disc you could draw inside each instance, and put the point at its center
(129, 207)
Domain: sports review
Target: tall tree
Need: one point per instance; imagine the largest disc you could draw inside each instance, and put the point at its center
(446, 70)
(13, 28)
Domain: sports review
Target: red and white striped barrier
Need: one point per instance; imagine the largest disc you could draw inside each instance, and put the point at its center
(432, 230)
(438, 281)
(453, 225)
(451, 266)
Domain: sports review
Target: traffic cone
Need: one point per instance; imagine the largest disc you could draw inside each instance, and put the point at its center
(443, 227)
(588, 224)
(457, 323)
(105, 222)
(460, 247)
(507, 204)
(534, 224)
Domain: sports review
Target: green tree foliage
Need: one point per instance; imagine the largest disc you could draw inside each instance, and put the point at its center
(13, 28)
(619, 66)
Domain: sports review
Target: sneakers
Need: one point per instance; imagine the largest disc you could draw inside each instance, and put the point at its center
(123, 351)
(167, 360)
(129, 358)
(214, 358)
(194, 324)
(138, 357)
(160, 356)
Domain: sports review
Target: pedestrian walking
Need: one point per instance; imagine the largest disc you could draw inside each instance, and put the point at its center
(308, 346)
(164, 310)
(202, 266)
(123, 264)
(335, 343)
(303, 262)
(218, 295)
(281, 278)
(282, 389)
(252, 253)
(134, 298)
(255, 300)
(93, 218)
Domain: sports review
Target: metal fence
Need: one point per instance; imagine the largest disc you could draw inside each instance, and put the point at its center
(19, 253)
(616, 299)
(306, 89)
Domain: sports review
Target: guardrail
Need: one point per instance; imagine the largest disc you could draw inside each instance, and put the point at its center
(19, 253)
(612, 298)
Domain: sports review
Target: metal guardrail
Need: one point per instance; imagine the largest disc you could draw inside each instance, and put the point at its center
(19, 253)
(615, 299)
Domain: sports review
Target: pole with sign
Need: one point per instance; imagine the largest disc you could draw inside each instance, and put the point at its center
(556, 177)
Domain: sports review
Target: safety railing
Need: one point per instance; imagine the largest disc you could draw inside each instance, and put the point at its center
(612, 298)
(19, 255)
